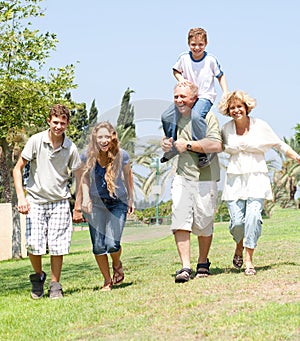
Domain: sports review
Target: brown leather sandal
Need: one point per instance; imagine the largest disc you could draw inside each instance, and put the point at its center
(106, 287)
(118, 276)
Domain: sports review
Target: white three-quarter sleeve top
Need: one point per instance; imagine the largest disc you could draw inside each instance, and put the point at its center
(247, 172)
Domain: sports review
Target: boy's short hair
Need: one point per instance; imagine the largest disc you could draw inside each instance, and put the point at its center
(59, 110)
(193, 32)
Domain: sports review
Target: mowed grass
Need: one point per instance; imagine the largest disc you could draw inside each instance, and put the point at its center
(150, 306)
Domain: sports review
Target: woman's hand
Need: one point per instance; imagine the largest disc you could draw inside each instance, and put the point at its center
(130, 204)
(87, 204)
(77, 216)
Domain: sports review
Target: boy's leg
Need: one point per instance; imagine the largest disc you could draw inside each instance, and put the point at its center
(36, 242)
(36, 262)
(38, 278)
(59, 241)
(198, 115)
(55, 287)
(169, 123)
(56, 266)
(199, 112)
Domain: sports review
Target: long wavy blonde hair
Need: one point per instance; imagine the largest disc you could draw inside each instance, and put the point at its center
(111, 158)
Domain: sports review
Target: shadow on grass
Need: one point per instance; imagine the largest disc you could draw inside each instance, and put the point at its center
(219, 271)
(82, 288)
(17, 278)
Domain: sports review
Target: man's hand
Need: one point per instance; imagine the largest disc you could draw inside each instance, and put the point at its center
(180, 145)
(166, 144)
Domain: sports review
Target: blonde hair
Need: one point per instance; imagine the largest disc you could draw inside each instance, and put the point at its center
(195, 32)
(226, 101)
(112, 157)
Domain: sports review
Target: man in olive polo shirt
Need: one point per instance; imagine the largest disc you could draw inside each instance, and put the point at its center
(194, 189)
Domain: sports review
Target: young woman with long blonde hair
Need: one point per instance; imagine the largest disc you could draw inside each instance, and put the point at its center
(106, 196)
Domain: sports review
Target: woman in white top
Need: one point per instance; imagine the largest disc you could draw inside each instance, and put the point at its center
(247, 184)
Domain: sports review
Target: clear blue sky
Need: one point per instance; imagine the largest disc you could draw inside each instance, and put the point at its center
(134, 44)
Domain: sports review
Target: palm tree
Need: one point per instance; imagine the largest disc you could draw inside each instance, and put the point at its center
(143, 164)
(286, 178)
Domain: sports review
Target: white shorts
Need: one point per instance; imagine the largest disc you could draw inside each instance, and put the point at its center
(194, 204)
(49, 225)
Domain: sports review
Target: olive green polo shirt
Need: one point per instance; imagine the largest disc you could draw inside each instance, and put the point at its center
(187, 161)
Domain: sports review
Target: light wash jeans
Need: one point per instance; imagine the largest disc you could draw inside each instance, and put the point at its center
(171, 116)
(106, 224)
(245, 220)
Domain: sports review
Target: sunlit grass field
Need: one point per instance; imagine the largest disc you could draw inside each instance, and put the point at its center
(149, 305)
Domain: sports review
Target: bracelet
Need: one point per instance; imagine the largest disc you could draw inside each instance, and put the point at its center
(77, 210)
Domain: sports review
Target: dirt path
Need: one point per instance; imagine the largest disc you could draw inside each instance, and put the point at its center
(132, 234)
(138, 233)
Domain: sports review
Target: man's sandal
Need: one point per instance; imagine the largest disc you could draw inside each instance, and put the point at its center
(203, 269)
(250, 271)
(183, 275)
(118, 276)
(237, 261)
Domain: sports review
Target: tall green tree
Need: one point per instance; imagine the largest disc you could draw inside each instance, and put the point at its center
(78, 131)
(25, 94)
(125, 124)
(93, 114)
(297, 135)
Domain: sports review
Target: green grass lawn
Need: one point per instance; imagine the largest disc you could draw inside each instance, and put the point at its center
(150, 306)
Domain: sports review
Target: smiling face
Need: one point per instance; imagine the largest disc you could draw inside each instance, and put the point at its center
(58, 125)
(184, 99)
(237, 109)
(197, 46)
(103, 139)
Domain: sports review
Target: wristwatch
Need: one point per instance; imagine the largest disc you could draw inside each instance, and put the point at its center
(189, 147)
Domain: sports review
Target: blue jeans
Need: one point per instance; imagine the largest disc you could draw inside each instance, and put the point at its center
(245, 220)
(171, 116)
(106, 224)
